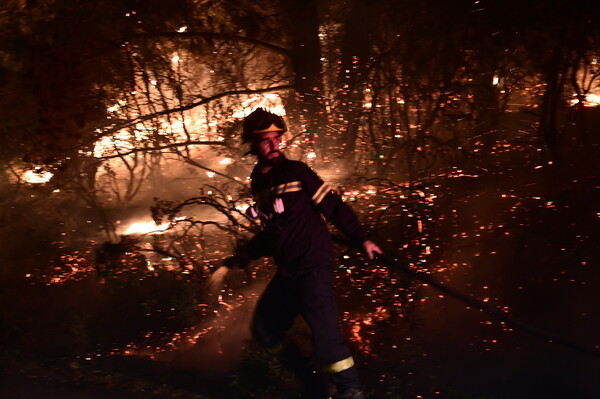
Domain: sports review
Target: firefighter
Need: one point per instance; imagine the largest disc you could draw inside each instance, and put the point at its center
(290, 199)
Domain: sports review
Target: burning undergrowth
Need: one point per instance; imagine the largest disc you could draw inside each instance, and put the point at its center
(153, 280)
(146, 294)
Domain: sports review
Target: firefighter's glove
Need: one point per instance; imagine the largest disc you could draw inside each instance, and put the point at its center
(237, 261)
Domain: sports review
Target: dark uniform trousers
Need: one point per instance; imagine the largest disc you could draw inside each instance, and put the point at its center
(309, 294)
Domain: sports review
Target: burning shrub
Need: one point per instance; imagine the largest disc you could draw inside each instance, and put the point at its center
(115, 258)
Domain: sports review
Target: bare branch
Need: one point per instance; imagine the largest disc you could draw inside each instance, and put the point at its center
(196, 164)
(162, 147)
(217, 36)
(187, 107)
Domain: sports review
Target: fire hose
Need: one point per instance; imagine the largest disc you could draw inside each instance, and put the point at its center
(494, 312)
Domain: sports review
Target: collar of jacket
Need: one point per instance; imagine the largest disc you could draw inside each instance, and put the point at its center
(256, 171)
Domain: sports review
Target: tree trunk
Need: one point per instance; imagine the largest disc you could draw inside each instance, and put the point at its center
(354, 64)
(487, 114)
(556, 71)
(302, 20)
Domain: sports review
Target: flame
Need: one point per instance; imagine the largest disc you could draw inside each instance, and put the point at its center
(242, 207)
(270, 101)
(113, 109)
(37, 176)
(590, 100)
(145, 228)
(177, 130)
(120, 141)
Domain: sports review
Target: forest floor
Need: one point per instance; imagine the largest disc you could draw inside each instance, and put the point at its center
(526, 240)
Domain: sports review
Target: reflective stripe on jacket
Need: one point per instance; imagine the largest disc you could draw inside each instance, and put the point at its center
(299, 236)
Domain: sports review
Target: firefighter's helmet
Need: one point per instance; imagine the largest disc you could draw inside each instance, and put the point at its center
(262, 121)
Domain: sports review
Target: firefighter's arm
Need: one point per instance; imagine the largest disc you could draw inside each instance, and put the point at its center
(335, 209)
(258, 246)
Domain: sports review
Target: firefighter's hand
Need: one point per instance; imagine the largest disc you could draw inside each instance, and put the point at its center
(371, 249)
(237, 261)
(265, 209)
(262, 210)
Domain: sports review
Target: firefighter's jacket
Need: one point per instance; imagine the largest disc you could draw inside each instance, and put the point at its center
(292, 201)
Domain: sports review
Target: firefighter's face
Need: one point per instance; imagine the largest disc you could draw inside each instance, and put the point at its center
(267, 146)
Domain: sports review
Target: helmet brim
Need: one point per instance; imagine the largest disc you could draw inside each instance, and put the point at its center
(272, 128)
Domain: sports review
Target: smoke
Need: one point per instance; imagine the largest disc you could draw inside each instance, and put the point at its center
(220, 340)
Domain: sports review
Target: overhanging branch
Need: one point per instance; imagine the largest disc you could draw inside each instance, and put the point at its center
(216, 36)
(198, 165)
(189, 106)
(162, 147)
